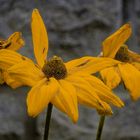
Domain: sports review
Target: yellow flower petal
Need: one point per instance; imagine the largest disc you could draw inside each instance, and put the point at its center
(79, 62)
(112, 44)
(89, 64)
(103, 91)
(111, 77)
(106, 110)
(40, 38)
(135, 59)
(11, 82)
(131, 79)
(134, 56)
(136, 65)
(9, 58)
(40, 95)
(86, 95)
(84, 92)
(15, 41)
(26, 73)
(68, 97)
(58, 103)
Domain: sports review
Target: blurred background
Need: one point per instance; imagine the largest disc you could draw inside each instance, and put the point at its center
(76, 28)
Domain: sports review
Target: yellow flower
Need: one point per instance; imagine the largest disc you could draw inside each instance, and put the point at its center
(63, 84)
(128, 70)
(14, 42)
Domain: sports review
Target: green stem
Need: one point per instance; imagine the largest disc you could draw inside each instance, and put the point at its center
(47, 124)
(100, 127)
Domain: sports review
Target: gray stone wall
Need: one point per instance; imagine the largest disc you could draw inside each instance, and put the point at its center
(76, 28)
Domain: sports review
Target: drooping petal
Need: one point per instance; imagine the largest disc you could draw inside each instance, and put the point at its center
(131, 79)
(15, 41)
(4, 77)
(26, 73)
(40, 38)
(86, 95)
(58, 103)
(89, 64)
(112, 44)
(111, 77)
(40, 95)
(9, 58)
(10, 81)
(106, 110)
(103, 91)
(67, 96)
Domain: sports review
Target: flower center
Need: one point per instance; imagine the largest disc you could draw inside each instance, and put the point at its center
(55, 68)
(122, 54)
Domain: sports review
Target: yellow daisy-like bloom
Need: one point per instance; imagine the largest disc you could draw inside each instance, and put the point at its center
(14, 42)
(63, 84)
(128, 70)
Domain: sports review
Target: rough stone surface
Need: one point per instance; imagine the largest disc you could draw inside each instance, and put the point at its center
(76, 28)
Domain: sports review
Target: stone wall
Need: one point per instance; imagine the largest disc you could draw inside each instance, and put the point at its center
(76, 28)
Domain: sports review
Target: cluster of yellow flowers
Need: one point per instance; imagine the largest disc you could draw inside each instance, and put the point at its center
(65, 84)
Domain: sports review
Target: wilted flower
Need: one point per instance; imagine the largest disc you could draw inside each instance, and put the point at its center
(128, 70)
(63, 84)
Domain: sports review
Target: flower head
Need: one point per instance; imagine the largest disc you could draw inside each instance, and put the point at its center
(14, 42)
(63, 84)
(128, 70)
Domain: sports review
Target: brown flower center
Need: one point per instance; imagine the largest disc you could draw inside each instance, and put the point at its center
(55, 68)
(122, 54)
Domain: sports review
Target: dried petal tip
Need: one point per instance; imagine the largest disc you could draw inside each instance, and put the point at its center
(106, 110)
(1, 77)
(4, 44)
(55, 68)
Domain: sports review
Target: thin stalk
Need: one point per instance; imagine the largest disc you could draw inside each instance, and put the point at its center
(100, 127)
(47, 124)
